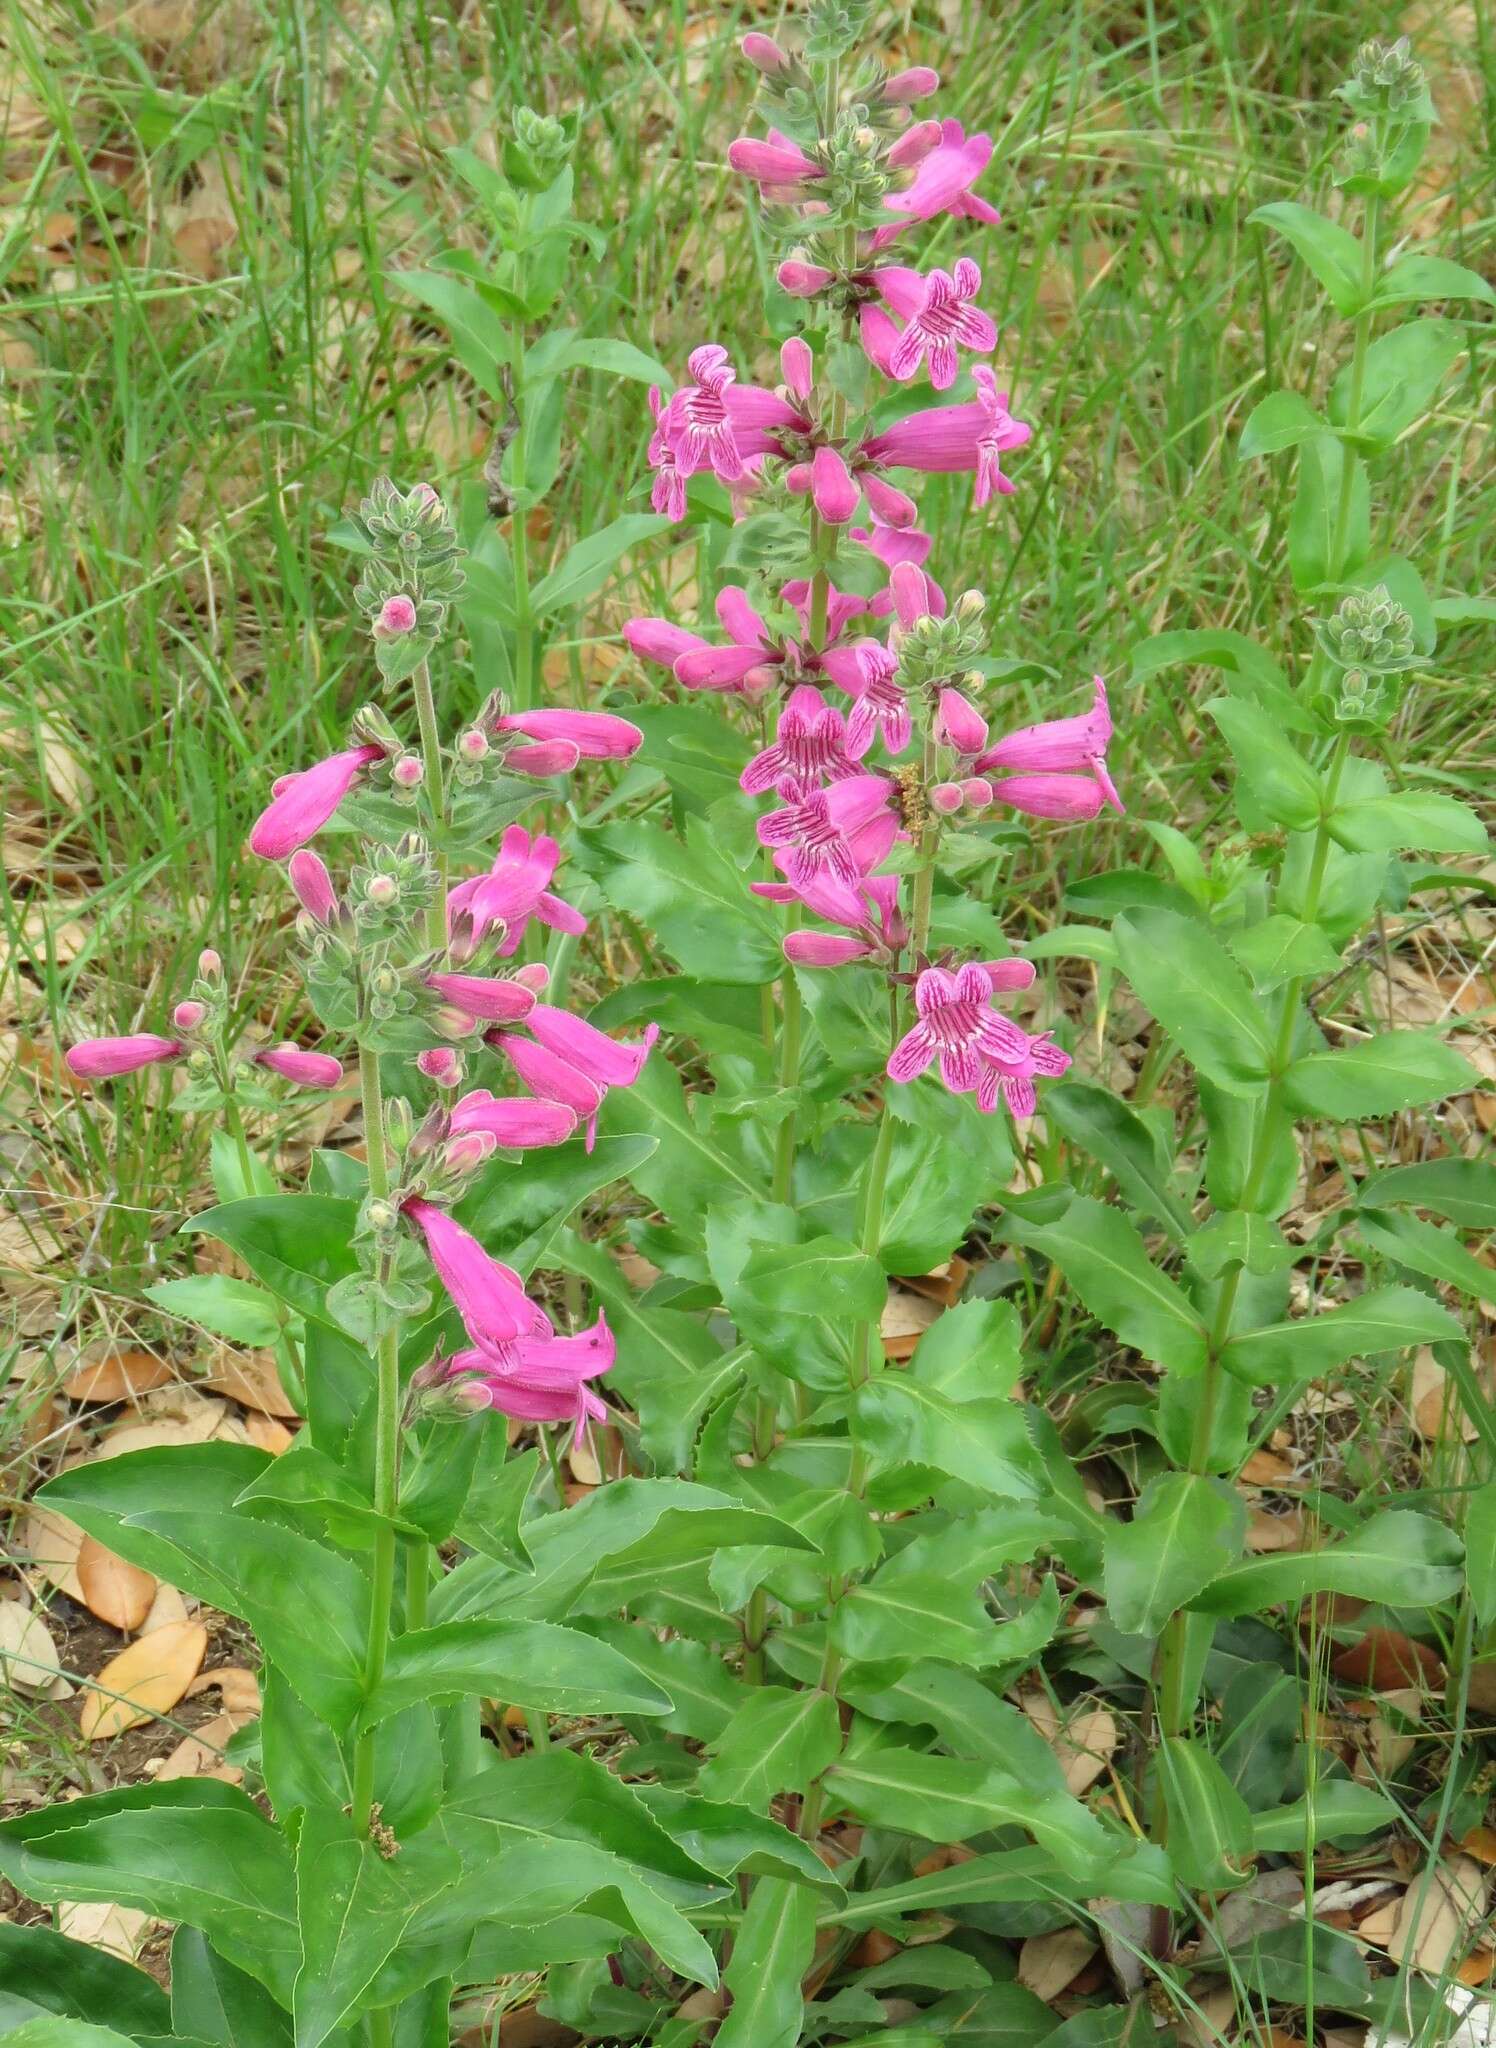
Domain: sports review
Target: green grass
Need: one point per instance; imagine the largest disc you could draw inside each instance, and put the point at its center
(176, 447)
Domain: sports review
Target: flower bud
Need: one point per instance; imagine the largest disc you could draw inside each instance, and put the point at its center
(398, 1124)
(970, 605)
(396, 615)
(454, 1023)
(467, 1151)
(384, 982)
(764, 54)
(408, 772)
(914, 145)
(977, 791)
(439, 1063)
(534, 975)
(187, 1016)
(426, 497)
(382, 891)
(473, 745)
(797, 368)
(199, 1061)
(381, 1216)
(209, 965)
(917, 83)
(801, 279)
(947, 797)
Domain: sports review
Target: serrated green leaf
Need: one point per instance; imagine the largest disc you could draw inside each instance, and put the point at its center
(1398, 1070)
(1184, 1531)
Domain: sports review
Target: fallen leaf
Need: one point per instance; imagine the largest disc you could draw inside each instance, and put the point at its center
(1437, 1914)
(115, 1591)
(1084, 1744)
(1267, 1532)
(1048, 1962)
(52, 1542)
(168, 1606)
(117, 1930)
(583, 1461)
(240, 1689)
(1386, 1658)
(143, 1681)
(267, 1434)
(116, 1376)
(1481, 1844)
(905, 1319)
(250, 1377)
(28, 1655)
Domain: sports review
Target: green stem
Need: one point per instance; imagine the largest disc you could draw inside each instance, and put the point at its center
(431, 754)
(235, 1123)
(1359, 346)
(519, 543)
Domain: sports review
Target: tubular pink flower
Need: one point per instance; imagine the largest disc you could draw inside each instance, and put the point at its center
(514, 890)
(893, 507)
(810, 746)
(659, 641)
(803, 280)
(304, 802)
(607, 1061)
(778, 163)
(764, 54)
(869, 675)
(311, 885)
(305, 1069)
(1012, 1077)
(1011, 973)
(841, 833)
(439, 1063)
(939, 319)
(914, 145)
(554, 1079)
(949, 438)
(101, 1059)
(537, 1377)
(710, 667)
(942, 183)
(596, 735)
(497, 1001)
(947, 798)
(667, 493)
(466, 1152)
(1062, 744)
(716, 423)
(823, 949)
(835, 495)
(489, 1296)
(1069, 798)
(959, 724)
(917, 83)
(797, 367)
(892, 545)
(546, 757)
(906, 586)
(515, 1121)
(956, 1025)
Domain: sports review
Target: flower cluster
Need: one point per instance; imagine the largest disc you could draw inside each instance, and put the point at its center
(881, 733)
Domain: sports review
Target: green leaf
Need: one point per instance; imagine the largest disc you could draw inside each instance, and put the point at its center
(1314, 520)
(1403, 372)
(1073, 942)
(1398, 1070)
(299, 1245)
(777, 1741)
(1210, 1824)
(524, 1663)
(193, 1849)
(946, 1799)
(826, 1277)
(1331, 251)
(1425, 1248)
(43, 1972)
(1422, 278)
(950, 1409)
(1103, 1125)
(1103, 1258)
(1387, 1319)
(1416, 819)
(1337, 1807)
(1480, 1551)
(47, 2032)
(480, 339)
(899, 1617)
(1184, 1532)
(1249, 670)
(1461, 1190)
(1237, 1237)
(230, 1308)
(1274, 771)
(617, 358)
(1183, 974)
(1280, 949)
(1281, 420)
(775, 1941)
(728, 1840)
(213, 2002)
(1396, 1558)
(584, 568)
(689, 893)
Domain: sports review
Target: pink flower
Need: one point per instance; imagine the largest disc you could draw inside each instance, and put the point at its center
(187, 1016)
(439, 1063)
(514, 890)
(498, 1000)
(571, 1062)
(715, 423)
(957, 1026)
(803, 280)
(809, 747)
(832, 490)
(660, 641)
(546, 757)
(797, 367)
(871, 910)
(949, 438)
(938, 319)
(706, 666)
(514, 1121)
(489, 1296)
(778, 165)
(842, 832)
(100, 1059)
(1012, 1076)
(893, 545)
(764, 54)
(667, 494)
(537, 1377)
(892, 507)
(312, 885)
(596, 735)
(917, 83)
(1071, 799)
(1050, 752)
(869, 675)
(304, 802)
(959, 724)
(396, 615)
(947, 798)
(306, 1069)
(913, 146)
(942, 183)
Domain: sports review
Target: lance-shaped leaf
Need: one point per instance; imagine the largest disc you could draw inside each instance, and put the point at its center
(524, 1663)
(1397, 1558)
(1275, 772)
(1418, 819)
(1330, 251)
(1338, 1806)
(1425, 1248)
(1116, 1135)
(826, 1277)
(1185, 976)
(1104, 1260)
(1387, 1319)
(778, 1741)
(1210, 1824)
(775, 1941)
(1281, 420)
(1184, 1532)
(299, 1245)
(44, 1972)
(1398, 1070)
(944, 1799)
(1461, 1190)
(1398, 382)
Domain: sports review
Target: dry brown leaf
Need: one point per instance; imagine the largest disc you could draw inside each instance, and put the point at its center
(1267, 1532)
(1083, 1744)
(115, 1591)
(117, 1930)
(200, 1754)
(250, 1377)
(1481, 1844)
(905, 1319)
(1437, 1915)
(28, 1655)
(1386, 1659)
(1048, 1962)
(1391, 1731)
(167, 1606)
(51, 1542)
(239, 1688)
(266, 1434)
(583, 1462)
(116, 1376)
(1266, 1468)
(143, 1681)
